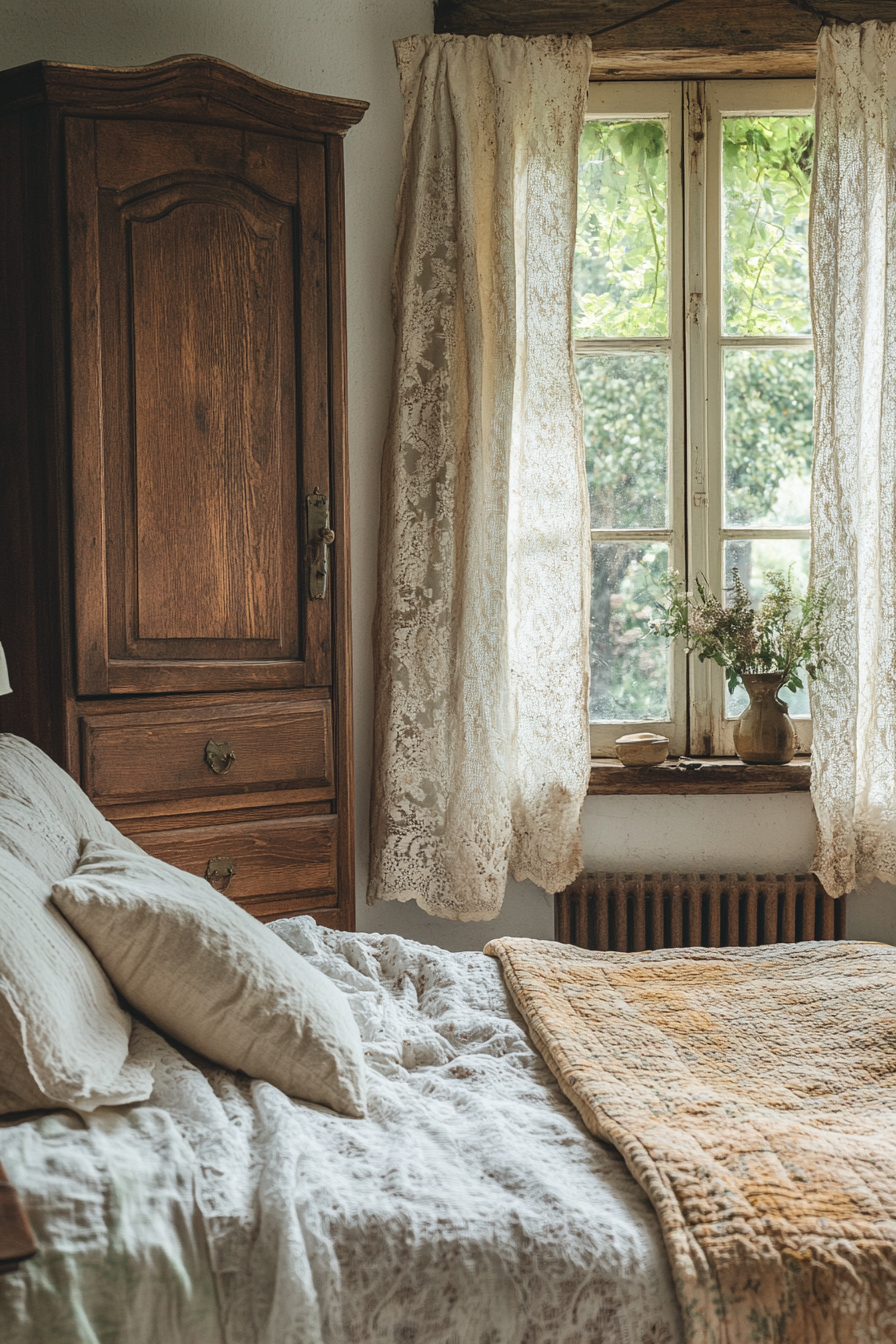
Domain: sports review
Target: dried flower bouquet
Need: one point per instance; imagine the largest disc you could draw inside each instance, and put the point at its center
(785, 634)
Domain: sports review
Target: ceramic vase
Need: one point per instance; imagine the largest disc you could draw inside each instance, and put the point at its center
(764, 735)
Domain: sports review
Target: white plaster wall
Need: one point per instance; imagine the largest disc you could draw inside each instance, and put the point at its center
(760, 833)
(344, 47)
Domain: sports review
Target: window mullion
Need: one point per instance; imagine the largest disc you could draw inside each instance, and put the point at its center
(699, 466)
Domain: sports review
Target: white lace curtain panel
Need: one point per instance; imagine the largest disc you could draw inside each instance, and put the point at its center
(481, 753)
(853, 260)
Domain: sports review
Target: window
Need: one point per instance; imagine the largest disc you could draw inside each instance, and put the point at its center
(694, 358)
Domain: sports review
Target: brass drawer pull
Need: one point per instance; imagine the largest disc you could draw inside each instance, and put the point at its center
(219, 756)
(220, 869)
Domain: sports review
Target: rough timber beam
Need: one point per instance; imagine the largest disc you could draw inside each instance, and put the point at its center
(672, 39)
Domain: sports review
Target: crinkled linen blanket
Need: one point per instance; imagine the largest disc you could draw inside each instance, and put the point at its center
(470, 1207)
(752, 1093)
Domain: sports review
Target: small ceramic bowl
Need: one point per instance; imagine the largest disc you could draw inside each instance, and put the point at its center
(642, 749)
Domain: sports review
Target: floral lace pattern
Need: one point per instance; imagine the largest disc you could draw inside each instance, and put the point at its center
(481, 752)
(853, 247)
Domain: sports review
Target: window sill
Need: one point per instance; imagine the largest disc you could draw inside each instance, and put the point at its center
(719, 775)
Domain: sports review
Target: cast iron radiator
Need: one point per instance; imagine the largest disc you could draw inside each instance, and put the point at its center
(636, 912)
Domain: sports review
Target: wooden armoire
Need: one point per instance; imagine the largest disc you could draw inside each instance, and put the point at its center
(174, 565)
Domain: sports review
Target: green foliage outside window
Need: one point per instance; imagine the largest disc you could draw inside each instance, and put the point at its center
(621, 276)
(767, 171)
(621, 290)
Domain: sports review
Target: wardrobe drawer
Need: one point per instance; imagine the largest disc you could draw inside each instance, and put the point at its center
(208, 751)
(270, 868)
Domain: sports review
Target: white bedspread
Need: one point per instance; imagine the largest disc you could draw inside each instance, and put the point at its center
(471, 1207)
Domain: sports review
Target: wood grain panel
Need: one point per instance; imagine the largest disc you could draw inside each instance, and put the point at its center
(175, 813)
(315, 387)
(87, 417)
(162, 755)
(198, 362)
(196, 89)
(337, 918)
(340, 513)
(211, 343)
(289, 861)
(677, 23)
(713, 776)
(681, 39)
(131, 152)
(617, 23)
(136, 676)
(82, 151)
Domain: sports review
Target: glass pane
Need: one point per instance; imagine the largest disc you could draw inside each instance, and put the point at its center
(620, 279)
(753, 559)
(625, 399)
(629, 665)
(766, 175)
(768, 437)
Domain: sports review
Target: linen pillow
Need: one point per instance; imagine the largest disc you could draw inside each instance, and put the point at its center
(63, 1037)
(212, 977)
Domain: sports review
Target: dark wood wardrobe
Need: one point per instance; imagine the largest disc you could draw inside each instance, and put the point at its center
(174, 564)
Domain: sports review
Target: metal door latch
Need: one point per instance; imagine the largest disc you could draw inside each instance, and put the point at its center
(320, 537)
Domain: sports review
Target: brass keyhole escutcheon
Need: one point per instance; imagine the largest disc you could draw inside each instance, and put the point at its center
(220, 869)
(219, 756)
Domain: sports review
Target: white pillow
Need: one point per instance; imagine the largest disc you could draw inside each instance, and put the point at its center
(63, 1037)
(212, 977)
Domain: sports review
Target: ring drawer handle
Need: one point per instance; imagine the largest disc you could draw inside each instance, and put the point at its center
(219, 756)
(220, 869)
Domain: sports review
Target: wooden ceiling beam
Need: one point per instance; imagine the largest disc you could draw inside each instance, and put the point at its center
(672, 39)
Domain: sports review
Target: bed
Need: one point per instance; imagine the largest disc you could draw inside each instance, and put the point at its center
(470, 1207)
(481, 1198)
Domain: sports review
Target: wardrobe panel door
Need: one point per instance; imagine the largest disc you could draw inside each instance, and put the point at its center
(202, 313)
(214, 449)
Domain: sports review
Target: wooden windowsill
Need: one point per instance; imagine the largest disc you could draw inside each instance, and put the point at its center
(716, 775)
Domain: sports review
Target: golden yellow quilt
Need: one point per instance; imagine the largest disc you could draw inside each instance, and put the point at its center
(752, 1093)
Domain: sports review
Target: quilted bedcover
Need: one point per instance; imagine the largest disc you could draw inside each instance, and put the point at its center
(752, 1093)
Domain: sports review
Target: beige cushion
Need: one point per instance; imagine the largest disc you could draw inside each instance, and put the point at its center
(214, 978)
(63, 1037)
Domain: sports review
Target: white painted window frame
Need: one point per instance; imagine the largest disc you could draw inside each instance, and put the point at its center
(696, 535)
(711, 732)
(648, 101)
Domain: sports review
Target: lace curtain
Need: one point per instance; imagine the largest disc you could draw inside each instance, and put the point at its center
(853, 251)
(481, 752)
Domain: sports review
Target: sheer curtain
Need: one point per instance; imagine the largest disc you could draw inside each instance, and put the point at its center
(853, 258)
(481, 753)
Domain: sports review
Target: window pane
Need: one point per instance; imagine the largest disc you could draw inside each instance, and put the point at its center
(766, 173)
(754, 559)
(768, 437)
(620, 280)
(629, 665)
(626, 404)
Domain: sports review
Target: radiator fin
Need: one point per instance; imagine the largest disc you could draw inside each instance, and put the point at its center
(637, 912)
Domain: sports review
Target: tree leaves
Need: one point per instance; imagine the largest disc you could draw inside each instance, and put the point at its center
(620, 284)
(767, 164)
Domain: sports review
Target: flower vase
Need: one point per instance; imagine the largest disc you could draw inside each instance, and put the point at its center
(764, 734)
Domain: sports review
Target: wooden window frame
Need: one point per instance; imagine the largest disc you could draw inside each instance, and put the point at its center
(693, 112)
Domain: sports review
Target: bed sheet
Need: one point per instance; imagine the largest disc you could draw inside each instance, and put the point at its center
(470, 1207)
